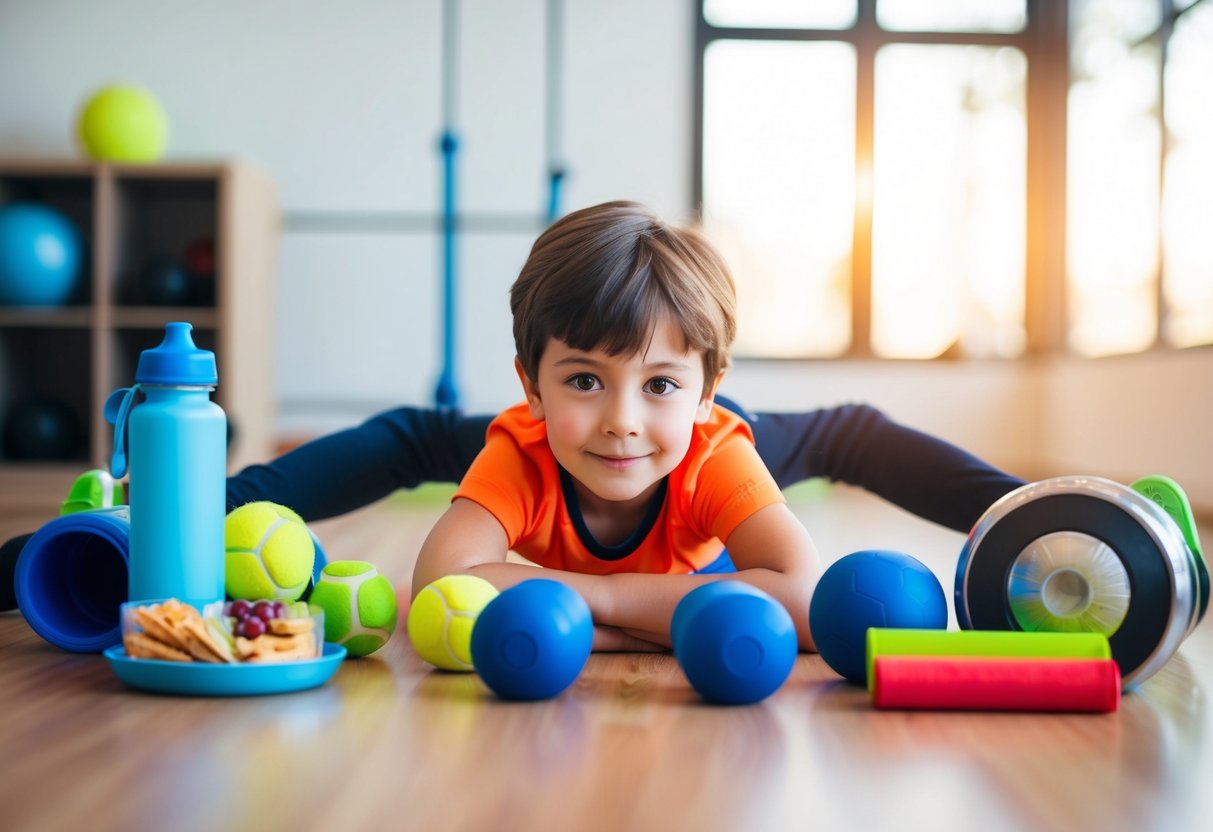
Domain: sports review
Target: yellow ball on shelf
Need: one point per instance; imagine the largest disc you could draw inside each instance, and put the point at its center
(123, 123)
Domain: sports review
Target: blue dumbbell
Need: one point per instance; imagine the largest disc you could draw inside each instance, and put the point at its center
(735, 643)
(532, 640)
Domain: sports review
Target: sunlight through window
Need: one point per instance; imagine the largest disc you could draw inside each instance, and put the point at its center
(950, 201)
(1113, 178)
(952, 15)
(818, 14)
(778, 189)
(1188, 182)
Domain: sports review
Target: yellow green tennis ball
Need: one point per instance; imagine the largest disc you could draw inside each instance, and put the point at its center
(93, 490)
(359, 606)
(269, 553)
(123, 123)
(442, 616)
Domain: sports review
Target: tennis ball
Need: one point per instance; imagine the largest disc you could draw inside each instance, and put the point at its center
(359, 606)
(442, 616)
(123, 123)
(93, 490)
(269, 553)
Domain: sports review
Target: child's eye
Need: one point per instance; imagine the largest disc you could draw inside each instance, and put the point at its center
(583, 382)
(661, 386)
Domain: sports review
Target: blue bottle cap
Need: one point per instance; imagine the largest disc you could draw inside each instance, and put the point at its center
(177, 360)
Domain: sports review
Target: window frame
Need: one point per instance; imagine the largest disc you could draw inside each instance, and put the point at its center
(1044, 42)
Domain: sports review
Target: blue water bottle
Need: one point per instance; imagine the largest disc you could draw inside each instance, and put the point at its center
(178, 465)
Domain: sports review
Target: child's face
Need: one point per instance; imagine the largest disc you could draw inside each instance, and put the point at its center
(619, 424)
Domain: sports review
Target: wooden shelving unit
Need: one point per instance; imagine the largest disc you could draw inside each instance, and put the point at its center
(79, 353)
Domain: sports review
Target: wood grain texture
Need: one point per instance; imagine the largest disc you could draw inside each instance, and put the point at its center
(390, 744)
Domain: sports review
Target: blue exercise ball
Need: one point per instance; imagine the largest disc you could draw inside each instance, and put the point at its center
(532, 640)
(39, 256)
(873, 588)
(735, 643)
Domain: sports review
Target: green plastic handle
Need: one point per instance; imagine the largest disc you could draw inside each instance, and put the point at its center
(884, 641)
(1169, 496)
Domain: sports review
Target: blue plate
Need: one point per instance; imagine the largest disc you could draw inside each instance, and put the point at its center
(202, 679)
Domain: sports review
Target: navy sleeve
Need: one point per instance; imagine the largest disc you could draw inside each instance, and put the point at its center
(858, 445)
(349, 469)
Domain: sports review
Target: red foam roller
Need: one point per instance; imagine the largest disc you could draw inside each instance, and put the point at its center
(996, 684)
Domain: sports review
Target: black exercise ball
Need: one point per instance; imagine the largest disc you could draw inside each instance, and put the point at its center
(41, 429)
(163, 281)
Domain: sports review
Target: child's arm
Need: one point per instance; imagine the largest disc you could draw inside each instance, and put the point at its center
(468, 539)
(772, 551)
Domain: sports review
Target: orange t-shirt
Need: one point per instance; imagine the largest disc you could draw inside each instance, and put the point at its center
(719, 483)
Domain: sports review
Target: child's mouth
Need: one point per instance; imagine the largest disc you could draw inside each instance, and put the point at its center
(618, 463)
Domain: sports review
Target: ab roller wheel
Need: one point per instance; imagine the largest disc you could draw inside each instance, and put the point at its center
(1084, 554)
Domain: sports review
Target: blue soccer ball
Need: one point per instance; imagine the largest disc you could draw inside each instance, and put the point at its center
(873, 588)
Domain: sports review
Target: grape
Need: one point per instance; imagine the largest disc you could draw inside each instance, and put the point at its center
(240, 609)
(279, 609)
(264, 610)
(250, 627)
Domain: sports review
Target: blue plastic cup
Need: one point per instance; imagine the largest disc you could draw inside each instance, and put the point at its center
(735, 643)
(71, 579)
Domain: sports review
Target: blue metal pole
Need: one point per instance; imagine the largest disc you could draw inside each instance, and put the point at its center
(554, 89)
(447, 392)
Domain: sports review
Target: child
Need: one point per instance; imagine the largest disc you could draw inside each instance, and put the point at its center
(853, 443)
(619, 474)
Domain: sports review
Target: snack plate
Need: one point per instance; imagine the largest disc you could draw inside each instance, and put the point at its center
(202, 679)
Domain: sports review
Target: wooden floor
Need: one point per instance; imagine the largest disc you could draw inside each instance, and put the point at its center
(389, 744)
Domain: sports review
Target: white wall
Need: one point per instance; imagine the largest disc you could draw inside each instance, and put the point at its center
(1133, 415)
(1121, 417)
(990, 408)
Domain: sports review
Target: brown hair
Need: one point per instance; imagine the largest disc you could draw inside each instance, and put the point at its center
(601, 278)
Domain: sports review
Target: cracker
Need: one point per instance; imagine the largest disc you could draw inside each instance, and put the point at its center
(284, 643)
(274, 648)
(159, 626)
(290, 626)
(289, 654)
(142, 646)
(200, 644)
(244, 648)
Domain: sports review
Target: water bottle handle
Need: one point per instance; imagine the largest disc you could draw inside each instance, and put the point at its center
(117, 411)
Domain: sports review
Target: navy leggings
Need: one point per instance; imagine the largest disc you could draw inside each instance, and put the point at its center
(854, 444)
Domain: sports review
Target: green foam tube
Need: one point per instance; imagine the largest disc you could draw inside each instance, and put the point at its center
(987, 643)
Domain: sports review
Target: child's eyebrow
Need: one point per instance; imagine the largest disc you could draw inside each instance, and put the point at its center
(587, 361)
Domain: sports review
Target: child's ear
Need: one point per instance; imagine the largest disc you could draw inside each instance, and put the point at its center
(530, 391)
(705, 405)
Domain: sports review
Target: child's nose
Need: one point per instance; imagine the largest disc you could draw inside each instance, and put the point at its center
(622, 417)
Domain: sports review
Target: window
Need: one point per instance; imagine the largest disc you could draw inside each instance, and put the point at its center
(1140, 261)
(779, 202)
(1187, 208)
(867, 179)
(948, 210)
(925, 178)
